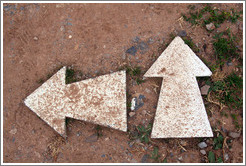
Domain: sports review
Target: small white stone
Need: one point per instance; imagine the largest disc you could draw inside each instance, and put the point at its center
(70, 36)
(133, 103)
(35, 38)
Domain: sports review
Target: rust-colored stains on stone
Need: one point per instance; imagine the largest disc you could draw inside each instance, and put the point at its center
(180, 111)
(101, 100)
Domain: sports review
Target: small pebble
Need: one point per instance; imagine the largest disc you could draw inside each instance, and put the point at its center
(204, 89)
(70, 36)
(202, 145)
(147, 90)
(35, 38)
(123, 56)
(203, 152)
(234, 135)
(144, 112)
(62, 28)
(183, 143)
(13, 131)
(229, 63)
(78, 133)
(210, 26)
(226, 157)
(180, 158)
(131, 114)
(133, 103)
(151, 40)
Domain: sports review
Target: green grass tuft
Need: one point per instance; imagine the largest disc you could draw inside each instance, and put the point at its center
(144, 133)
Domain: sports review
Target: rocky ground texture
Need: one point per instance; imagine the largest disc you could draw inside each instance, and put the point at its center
(97, 39)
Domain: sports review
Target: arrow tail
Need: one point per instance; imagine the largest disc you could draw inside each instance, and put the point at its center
(180, 111)
(101, 100)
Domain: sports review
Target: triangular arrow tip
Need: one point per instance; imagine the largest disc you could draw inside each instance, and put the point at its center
(171, 54)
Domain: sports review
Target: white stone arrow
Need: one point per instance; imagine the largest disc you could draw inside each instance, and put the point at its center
(101, 100)
(180, 111)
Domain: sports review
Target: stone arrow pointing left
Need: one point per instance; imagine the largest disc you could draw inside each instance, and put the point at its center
(101, 100)
(180, 110)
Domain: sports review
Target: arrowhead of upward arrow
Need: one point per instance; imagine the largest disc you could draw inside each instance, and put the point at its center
(101, 100)
(180, 111)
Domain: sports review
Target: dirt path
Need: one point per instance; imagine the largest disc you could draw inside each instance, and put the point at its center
(96, 39)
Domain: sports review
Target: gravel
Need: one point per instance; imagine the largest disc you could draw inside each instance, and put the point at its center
(202, 145)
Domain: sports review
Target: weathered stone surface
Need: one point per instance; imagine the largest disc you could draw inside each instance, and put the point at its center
(180, 111)
(101, 100)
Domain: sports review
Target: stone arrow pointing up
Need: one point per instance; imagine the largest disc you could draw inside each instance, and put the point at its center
(180, 111)
(101, 100)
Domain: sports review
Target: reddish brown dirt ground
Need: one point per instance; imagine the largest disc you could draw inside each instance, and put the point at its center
(93, 39)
